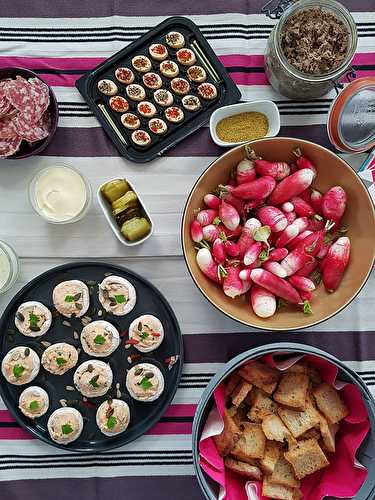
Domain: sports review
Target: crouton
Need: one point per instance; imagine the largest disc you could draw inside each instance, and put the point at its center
(330, 403)
(240, 416)
(261, 407)
(233, 380)
(306, 458)
(240, 392)
(314, 375)
(272, 452)
(262, 376)
(292, 390)
(313, 433)
(299, 367)
(251, 443)
(277, 491)
(283, 473)
(228, 437)
(299, 422)
(328, 432)
(243, 468)
(274, 428)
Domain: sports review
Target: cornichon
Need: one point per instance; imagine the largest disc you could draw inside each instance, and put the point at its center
(113, 190)
(136, 228)
(129, 200)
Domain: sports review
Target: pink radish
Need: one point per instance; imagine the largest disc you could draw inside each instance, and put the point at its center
(308, 268)
(335, 264)
(287, 207)
(275, 268)
(303, 162)
(252, 253)
(316, 223)
(207, 265)
(302, 283)
(259, 189)
(196, 231)
(245, 171)
(306, 249)
(229, 215)
(207, 216)
(211, 201)
(324, 250)
(276, 169)
(246, 238)
(334, 204)
(278, 254)
(278, 286)
(246, 285)
(232, 200)
(321, 263)
(291, 217)
(231, 248)
(232, 284)
(245, 274)
(301, 207)
(272, 217)
(291, 186)
(306, 297)
(229, 233)
(292, 231)
(316, 198)
(255, 264)
(210, 233)
(297, 240)
(218, 251)
(263, 302)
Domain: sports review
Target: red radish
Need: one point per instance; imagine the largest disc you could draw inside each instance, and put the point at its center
(246, 238)
(255, 264)
(292, 231)
(301, 207)
(308, 268)
(207, 216)
(263, 302)
(232, 284)
(196, 231)
(316, 223)
(245, 274)
(276, 169)
(231, 248)
(335, 263)
(275, 268)
(229, 215)
(302, 283)
(211, 201)
(207, 265)
(287, 207)
(232, 200)
(303, 162)
(278, 254)
(246, 285)
(259, 189)
(297, 240)
(210, 233)
(291, 186)
(305, 195)
(305, 296)
(245, 171)
(229, 233)
(218, 251)
(291, 217)
(316, 198)
(306, 249)
(334, 204)
(252, 253)
(324, 250)
(250, 205)
(278, 286)
(322, 263)
(272, 217)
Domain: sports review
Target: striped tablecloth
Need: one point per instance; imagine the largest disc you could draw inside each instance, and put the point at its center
(60, 40)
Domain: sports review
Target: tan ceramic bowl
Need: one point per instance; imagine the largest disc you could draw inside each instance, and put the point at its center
(360, 217)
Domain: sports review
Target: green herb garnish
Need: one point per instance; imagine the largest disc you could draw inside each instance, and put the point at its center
(18, 370)
(94, 382)
(33, 320)
(144, 335)
(145, 384)
(34, 405)
(69, 298)
(99, 339)
(111, 422)
(67, 429)
(307, 307)
(263, 256)
(60, 361)
(120, 299)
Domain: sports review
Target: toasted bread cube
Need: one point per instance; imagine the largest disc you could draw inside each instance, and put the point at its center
(283, 473)
(240, 392)
(313, 433)
(243, 468)
(330, 403)
(277, 491)
(262, 376)
(228, 437)
(272, 452)
(328, 432)
(233, 380)
(251, 443)
(240, 415)
(299, 367)
(274, 428)
(306, 458)
(299, 422)
(292, 390)
(314, 376)
(261, 407)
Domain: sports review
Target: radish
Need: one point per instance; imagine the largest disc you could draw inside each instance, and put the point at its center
(308, 268)
(245, 171)
(278, 286)
(263, 302)
(196, 231)
(287, 207)
(335, 264)
(207, 216)
(316, 223)
(276, 169)
(252, 253)
(229, 215)
(246, 238)
(291, 186)
(302, 283)
(306, 249)
(207, 265)
(259, 189)
(291, 217)
(275, 268)
(278, 254)
(272, 217)
(231, 248)
(210, 233)
(245, 274)
(218, 251)
(232, 284)
(232, 200)
(211, 201)
(303, 162)
(334, 204)
(229, 233)
(297, 240)
(324, 250)
(316, 198)
(246, 285)
(292, 231)
(301, 207)
(306, 297)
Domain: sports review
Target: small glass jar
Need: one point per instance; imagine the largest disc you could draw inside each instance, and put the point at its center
(9, 267)
(289, 81)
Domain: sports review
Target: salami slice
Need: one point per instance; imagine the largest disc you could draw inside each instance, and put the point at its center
(5, 106)
(30, 99)
(9, 146)
(31, 132)
(7, 128)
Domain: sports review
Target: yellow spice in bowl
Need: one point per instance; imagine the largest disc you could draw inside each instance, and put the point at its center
(242, 127)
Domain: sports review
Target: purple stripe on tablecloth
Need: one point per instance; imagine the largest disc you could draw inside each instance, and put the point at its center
(209, 348)
(116, 488)
(94, 142)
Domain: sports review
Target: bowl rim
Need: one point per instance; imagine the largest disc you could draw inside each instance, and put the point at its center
(270, 328)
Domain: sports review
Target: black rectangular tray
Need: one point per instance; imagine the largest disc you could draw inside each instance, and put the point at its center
(228, 92)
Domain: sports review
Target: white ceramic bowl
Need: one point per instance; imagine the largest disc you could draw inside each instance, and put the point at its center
(268, 108)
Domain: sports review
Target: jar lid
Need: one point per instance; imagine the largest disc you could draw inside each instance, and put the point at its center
(351, 119)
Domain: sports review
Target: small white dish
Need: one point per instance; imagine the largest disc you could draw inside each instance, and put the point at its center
(106, 208)
(268, 108)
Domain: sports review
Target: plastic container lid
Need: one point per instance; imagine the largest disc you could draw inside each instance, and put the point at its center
(351, 119)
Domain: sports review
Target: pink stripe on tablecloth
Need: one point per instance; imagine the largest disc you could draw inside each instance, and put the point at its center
(180, 411)
(171, 428)
(5, 416)
(14, 434)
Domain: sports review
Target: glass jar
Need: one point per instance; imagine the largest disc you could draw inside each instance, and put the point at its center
(289, 81)
(9, 267)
